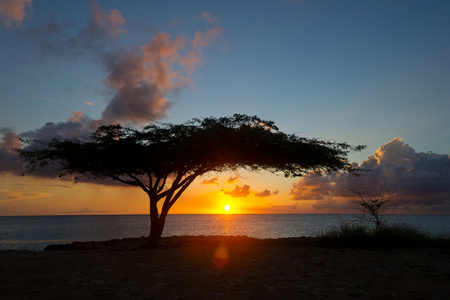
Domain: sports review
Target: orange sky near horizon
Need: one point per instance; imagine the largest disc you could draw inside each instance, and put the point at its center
(415, 183)
(29, 195)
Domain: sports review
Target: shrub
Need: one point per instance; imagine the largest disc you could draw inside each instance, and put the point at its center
(349, 234)
(387, 236)
(398, 235)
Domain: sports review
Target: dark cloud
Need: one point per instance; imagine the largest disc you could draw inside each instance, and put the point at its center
(77, 127)
(52, 41)
(312, 187)
(415, 181)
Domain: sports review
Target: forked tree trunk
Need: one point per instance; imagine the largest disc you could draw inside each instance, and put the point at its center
(157, 220)
(156, 226)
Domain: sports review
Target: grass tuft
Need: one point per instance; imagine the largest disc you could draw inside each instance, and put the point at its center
(386, 236)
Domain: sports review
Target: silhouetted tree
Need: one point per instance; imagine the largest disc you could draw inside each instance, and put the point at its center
(372, 205)
(164, 159)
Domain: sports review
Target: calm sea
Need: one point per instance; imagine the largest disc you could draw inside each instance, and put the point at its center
(36, 232)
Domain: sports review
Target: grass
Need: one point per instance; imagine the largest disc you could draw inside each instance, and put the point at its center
(386, 236)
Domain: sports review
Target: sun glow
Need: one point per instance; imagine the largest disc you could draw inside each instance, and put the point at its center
(227, 207)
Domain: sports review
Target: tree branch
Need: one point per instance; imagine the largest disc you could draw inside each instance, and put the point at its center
(161, 187)
(139, 182)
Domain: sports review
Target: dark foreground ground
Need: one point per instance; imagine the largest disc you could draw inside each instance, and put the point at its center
(225, 268)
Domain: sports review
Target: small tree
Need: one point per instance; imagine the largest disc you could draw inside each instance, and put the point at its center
(164, 159)
(372, 205)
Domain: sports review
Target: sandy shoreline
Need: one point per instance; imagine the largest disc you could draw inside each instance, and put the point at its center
(227, 268)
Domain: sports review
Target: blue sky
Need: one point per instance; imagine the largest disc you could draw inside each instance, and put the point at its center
(359, 71)
(364, 72)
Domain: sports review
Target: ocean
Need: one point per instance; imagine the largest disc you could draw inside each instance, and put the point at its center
(36, 232)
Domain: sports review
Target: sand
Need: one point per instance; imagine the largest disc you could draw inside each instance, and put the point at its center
(226, 268)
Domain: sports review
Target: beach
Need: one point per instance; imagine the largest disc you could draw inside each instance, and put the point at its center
(225, 268)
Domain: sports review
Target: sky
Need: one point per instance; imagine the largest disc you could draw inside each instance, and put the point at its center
(374, 73)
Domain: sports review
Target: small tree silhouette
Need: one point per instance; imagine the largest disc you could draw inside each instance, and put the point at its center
(371, 205)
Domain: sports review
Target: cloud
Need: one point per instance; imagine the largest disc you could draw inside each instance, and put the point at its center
(86, 210)
(9, 161)
(78, 126)
(105, 23)
(6, 196)
(210, 181)
(143, 77)
(417, 182)
(10, 140)
(311, 187)
(14, 11)
(266, 193)
(244, 191)
(205, 40)
(88, 103)
(232, 179)
(52, 42)
(239, 192)
(193, 58)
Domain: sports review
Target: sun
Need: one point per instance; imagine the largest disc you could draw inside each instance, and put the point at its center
(227, 207)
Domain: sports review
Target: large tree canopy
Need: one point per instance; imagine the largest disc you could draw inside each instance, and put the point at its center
(164, 159)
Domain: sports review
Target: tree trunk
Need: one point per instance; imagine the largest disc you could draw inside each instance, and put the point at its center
(156, 226)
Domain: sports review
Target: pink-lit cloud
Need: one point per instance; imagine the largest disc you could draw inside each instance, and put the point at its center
(415, 181)
(193, 59)
(110, 23)
(12, 12)
(10, 139)
(9, 161)
(143, 77)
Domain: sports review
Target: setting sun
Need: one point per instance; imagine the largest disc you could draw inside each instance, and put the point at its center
(227, 207)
